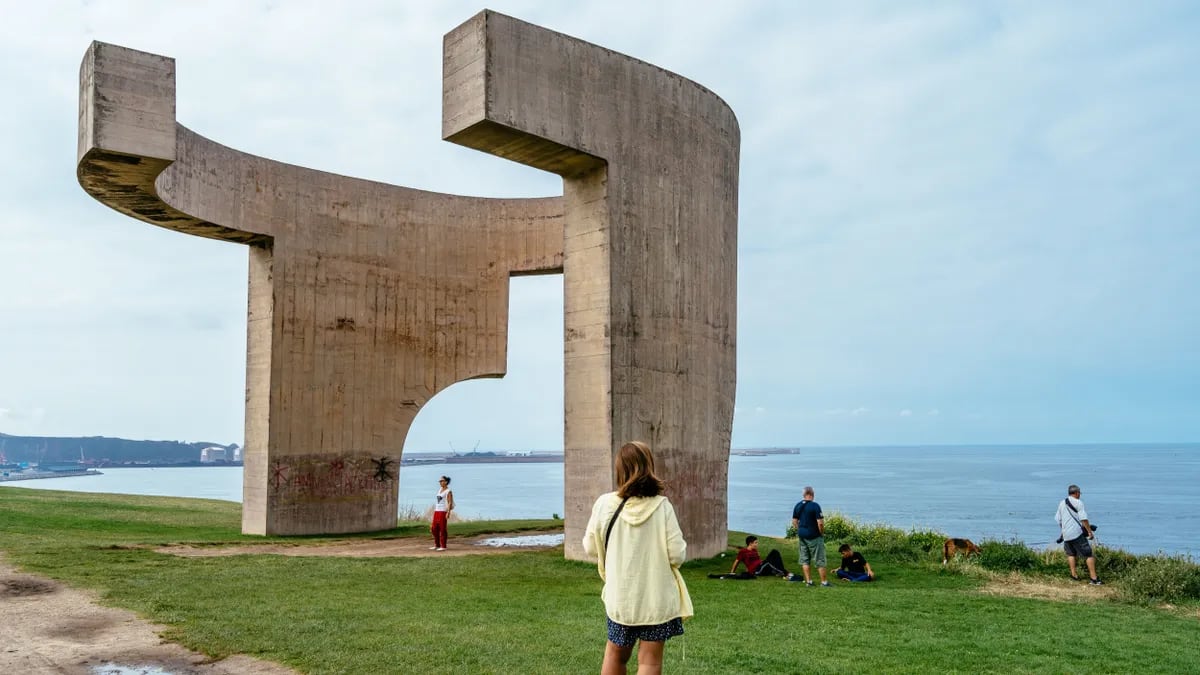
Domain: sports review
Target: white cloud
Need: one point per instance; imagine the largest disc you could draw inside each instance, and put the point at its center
(906, 413)
(941, 202)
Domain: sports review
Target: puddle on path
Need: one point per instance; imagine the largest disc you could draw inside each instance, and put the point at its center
(525, 540)
(119, 669)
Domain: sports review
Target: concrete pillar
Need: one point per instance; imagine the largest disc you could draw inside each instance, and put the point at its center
(649, 162)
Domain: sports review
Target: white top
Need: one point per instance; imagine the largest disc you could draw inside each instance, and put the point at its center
(1067, 519)
(440, 504)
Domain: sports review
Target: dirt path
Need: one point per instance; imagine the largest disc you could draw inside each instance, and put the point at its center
(46, 627)
(406, 547)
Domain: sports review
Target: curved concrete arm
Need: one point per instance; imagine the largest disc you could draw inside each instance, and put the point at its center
(365, 299)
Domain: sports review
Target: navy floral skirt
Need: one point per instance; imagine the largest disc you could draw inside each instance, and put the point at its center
(625, 636)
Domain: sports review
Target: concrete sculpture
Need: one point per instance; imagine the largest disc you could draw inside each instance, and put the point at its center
(366, 300)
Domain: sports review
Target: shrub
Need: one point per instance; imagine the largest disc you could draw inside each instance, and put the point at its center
(842, 529)
(1113, 562)
(1007, 556)
(879, 539)
(1162, 578)
(927, 540)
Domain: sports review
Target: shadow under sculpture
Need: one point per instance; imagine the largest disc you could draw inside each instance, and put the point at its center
(367, 299)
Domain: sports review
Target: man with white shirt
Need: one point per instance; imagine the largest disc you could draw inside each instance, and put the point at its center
(1076, 531)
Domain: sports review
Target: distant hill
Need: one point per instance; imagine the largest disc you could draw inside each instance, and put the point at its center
(99, 449)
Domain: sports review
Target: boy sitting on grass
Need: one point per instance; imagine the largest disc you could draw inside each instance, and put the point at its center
(854, 566)
(755, 566)
(748, 556)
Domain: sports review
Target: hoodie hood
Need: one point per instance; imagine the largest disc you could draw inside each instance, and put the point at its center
(639, 509)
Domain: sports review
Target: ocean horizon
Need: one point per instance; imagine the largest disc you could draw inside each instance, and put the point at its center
(1142, 496)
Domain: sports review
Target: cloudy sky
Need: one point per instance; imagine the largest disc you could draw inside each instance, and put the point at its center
(960, 222)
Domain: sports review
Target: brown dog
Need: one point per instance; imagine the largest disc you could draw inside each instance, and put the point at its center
(953, 546)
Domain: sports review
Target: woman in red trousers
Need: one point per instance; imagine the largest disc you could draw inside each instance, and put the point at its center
(442, 506)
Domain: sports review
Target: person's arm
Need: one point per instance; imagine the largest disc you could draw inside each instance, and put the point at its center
(870, 574)
(821, 526)
(676, 546)
(449, 501)
(1083, 520)
(590, 546)
(795, 523)
(736, 562)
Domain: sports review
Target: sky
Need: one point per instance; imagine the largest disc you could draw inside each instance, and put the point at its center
(960, 223)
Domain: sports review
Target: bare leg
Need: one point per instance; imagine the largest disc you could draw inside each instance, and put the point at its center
(1091, 564)
(650, 658)
(807, 574)
(1071, 565)
(615, 659)
(821, 571)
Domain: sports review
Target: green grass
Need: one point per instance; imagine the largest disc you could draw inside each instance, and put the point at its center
(537, 613)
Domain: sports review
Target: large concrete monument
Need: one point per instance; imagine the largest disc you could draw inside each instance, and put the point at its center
(366, 299)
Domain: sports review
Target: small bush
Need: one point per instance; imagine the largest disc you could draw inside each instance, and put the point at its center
(927, 540)
(1163, 579)
(879, 539)
(891, 543)
(1113, 562)
(841, 528)
(1007, 556)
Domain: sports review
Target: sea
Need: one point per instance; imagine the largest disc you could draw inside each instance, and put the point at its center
(1143, 498)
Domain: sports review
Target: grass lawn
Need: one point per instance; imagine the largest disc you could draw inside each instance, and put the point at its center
(537, 613)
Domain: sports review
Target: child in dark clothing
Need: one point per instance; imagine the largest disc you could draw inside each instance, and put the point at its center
(854, 566)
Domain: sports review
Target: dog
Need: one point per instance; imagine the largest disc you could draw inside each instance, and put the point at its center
(955, 545)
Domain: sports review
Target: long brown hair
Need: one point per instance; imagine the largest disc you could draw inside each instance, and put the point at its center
(635, 471)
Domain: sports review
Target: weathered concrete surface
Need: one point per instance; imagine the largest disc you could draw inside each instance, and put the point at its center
(367, 299)
(649, 162)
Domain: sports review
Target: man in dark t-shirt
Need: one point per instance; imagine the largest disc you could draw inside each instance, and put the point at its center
(810, 530)
(854, 566)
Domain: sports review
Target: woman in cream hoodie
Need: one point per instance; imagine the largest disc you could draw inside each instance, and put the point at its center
(644, 596)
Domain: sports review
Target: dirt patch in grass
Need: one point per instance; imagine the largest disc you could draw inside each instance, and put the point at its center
(1018, 586)
(405, 547)
(46, 627)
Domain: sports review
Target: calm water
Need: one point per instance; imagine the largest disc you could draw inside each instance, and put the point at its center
(1144, 498)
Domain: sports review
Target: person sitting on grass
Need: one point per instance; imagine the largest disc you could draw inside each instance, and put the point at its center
(854, 566)
(772, 565)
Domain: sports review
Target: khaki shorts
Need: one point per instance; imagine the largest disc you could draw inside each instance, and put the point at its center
(812, 550)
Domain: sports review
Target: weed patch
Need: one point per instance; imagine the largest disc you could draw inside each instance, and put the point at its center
(1162, 579)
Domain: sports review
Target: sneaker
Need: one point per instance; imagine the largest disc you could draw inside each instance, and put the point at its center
(433, 548)
(796, 578)
(1096, 582)
(808, 583)
(440, 548)
(1075, 578)
(826, 584)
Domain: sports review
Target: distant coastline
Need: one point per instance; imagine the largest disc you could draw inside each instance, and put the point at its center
(7, 476)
